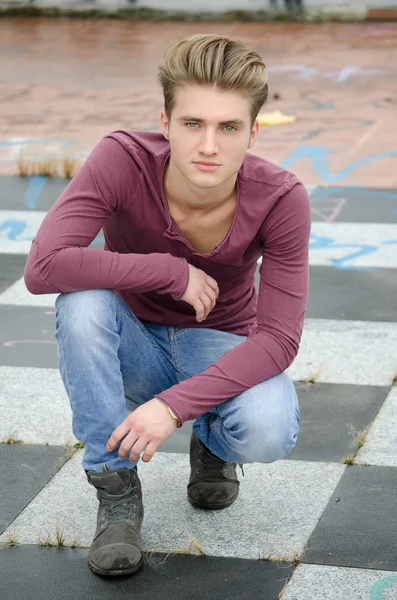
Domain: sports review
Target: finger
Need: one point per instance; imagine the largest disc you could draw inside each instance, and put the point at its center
(213, 284)
(206, 300)
(150, 450)
(127, 443)
(137, 449)
(212, 296)
(200, 310)
(116, 436)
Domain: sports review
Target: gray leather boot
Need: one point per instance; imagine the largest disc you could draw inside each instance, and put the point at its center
(116, 547)
(213, 482)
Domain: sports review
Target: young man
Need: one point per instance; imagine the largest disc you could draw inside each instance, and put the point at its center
(166, 318)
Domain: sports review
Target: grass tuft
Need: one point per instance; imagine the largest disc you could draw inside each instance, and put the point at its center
(311, 379)
(12, 537)
(360, 436)
(12, 439)
(59, 537)
(51, 167)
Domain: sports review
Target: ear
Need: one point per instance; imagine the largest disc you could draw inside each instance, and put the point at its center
(164, 124)
(254, 134)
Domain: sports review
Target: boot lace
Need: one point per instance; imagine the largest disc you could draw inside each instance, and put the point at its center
(213, 466)
(118, 510)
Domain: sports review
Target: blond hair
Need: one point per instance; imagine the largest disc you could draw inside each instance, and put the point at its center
(214, 60)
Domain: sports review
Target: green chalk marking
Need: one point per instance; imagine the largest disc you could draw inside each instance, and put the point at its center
(380, 586)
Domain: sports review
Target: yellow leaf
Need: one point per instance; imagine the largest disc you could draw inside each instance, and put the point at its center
(275, 118)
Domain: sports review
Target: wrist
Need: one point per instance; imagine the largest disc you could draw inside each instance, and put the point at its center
(170, 411)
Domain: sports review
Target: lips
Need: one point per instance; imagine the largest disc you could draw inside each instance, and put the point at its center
(208, 164)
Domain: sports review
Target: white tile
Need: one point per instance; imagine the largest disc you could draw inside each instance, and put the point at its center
(18, 295)
(380, 447)
(17, 230)
(372, 244)
(34, 406)
(271, 518)
(356, 352)
(318, 582)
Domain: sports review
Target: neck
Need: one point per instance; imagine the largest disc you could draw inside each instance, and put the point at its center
(182, 193)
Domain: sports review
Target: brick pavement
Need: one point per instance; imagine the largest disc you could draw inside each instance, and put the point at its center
(67, 83)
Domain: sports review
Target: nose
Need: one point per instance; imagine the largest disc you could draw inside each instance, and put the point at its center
(209, 144)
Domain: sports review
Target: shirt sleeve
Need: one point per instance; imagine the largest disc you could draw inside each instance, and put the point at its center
(281, 307)
(60, 260)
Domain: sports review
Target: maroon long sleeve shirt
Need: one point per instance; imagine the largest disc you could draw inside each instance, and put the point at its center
(120, 189)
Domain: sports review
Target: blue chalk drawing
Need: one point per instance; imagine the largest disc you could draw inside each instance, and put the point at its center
(318, 242)
(15, 228)
(33, 192)
(380, 586)
(318, 157)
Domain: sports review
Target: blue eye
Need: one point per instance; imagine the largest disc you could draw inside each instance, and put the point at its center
(194, 125)
(230, 128)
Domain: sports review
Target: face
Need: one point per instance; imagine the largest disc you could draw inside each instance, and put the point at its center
(209, 132)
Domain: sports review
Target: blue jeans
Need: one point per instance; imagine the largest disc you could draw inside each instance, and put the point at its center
(111, 362)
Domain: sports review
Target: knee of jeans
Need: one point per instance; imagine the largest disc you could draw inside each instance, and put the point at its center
(269, 444)
(269, 425)
(81, 312)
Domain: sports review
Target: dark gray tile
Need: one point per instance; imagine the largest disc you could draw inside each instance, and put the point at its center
(27, 337)
(358, 527)
(12, 192)
(24, 470)
(351, 295)
(27, 193)
(12, 267)
(330, 414)
(355, 295)
(35, 572)
(354, 205)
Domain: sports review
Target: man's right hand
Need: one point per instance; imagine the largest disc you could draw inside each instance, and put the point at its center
(202, 292)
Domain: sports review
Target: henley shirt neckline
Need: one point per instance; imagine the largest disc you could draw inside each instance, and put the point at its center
(173, 230)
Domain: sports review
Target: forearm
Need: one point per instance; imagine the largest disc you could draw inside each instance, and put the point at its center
(74, 269)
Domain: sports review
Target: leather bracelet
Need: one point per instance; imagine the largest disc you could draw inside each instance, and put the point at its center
(173, 415)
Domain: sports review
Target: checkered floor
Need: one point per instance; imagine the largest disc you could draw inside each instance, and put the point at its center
(319, 524)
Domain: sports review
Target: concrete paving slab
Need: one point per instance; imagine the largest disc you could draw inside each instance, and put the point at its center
(318, 582)
(358, 528)
(24, 471)
(27, 337)
(18, 295)
(12, 192)
(350, 294)
(34, 406)
(332, 419)
(354, 205)
(17, 230)
(354, 352)
(380, 446)
(12, 267)
(353, 245)
(63, 573)
(272, 517)
(33, 193)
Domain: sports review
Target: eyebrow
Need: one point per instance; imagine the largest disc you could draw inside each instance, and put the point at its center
(228, 122)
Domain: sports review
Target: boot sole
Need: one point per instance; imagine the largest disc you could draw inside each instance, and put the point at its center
(212, 506)
(115, 573)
